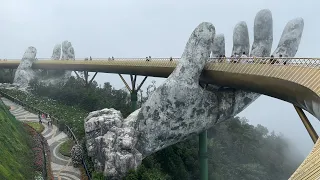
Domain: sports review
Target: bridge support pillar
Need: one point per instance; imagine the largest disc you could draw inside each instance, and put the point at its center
(133, 90)
(313, 134)
(134, 99)
(86, 81)
(203, 155)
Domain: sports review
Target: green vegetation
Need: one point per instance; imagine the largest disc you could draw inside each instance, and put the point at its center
(66, 147)
(15, 148)
(35, 125)
(6, 75)
(237, 150)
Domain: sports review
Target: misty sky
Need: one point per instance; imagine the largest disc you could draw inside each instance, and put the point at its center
(139, 28)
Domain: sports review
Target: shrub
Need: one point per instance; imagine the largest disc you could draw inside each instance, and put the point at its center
(76, 155)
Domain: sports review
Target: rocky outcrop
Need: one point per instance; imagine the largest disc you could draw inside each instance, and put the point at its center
(115, 136)
(24, 74)
(218, 46)
(175, 110)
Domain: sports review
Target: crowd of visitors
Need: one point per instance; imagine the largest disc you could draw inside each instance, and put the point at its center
(235, 58)
(47, 117)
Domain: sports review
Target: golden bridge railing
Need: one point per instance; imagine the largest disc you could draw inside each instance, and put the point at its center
(254, 60)
(304, 71)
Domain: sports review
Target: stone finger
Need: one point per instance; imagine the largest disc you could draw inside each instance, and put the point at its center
(56, 54)
(263, 34)
(195, 55)
(67, 51)
(218, 46)
(290, 38)
(241, 39)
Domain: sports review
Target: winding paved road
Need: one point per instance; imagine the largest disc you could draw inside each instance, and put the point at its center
(61, 165)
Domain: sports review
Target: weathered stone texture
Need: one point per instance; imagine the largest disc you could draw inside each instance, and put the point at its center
(218, 46)
(241, 41)
(290, 39)
(263, 34)
(56, 54)
(179, 107)
(24, 72)
(115, 137)
(67, 51)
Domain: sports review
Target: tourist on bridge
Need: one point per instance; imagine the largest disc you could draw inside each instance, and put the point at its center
(284, 60)
(244, 58)
(236, 58)
(171, 59)
(227, 60)
(220, 58)
(112, 58)
(272, 60)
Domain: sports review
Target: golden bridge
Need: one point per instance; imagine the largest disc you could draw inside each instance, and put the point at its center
(295, 80)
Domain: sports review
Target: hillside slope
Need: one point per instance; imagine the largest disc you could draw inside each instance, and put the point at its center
(16, 157)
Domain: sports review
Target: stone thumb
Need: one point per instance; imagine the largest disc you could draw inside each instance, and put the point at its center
(195, 55)
(28, 58)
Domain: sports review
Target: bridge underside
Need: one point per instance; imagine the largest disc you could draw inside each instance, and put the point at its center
(287, 91)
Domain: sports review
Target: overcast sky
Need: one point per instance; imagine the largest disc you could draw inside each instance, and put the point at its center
(139, 28)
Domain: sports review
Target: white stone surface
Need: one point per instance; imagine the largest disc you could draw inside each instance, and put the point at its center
(67, 51)
(56, 54)
(24, 74)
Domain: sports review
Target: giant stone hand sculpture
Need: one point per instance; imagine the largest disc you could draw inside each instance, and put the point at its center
(180, 107)
(25, 73)
(63, 51)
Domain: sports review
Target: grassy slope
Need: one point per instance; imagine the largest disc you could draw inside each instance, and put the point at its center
(35, 125)
(16, 157)
(65, 148)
